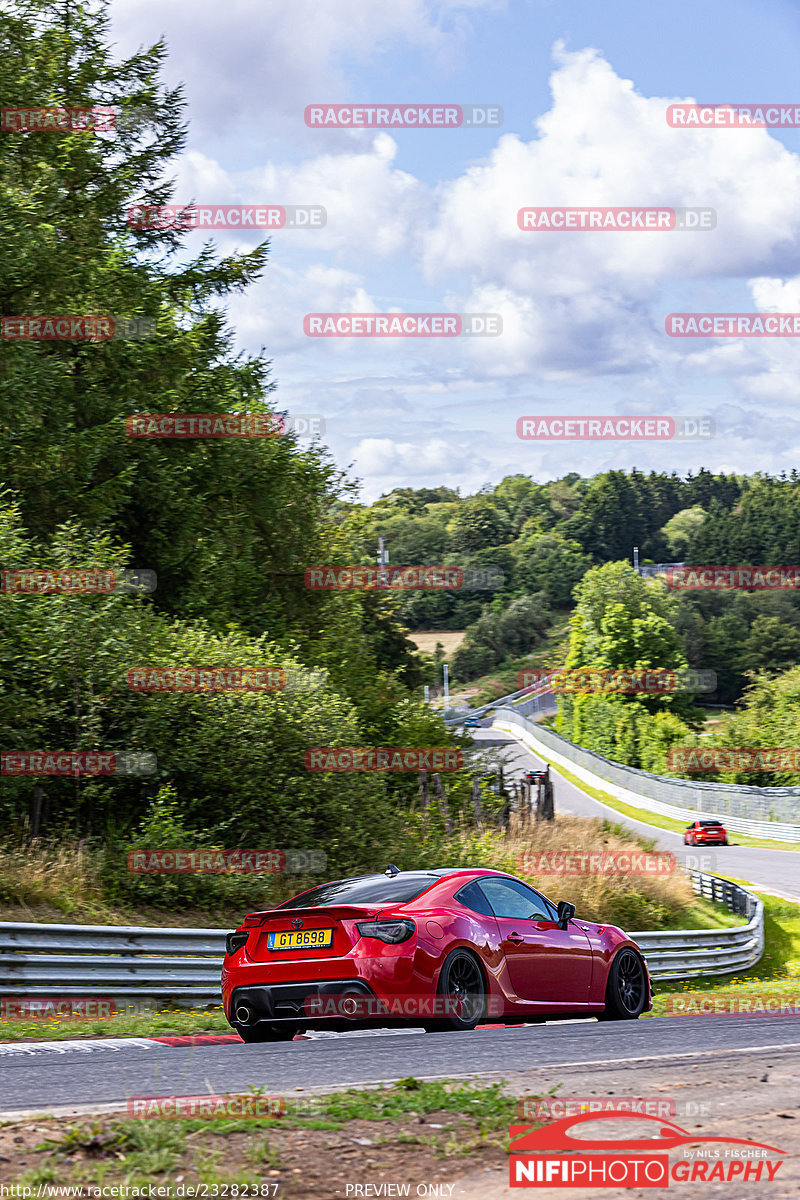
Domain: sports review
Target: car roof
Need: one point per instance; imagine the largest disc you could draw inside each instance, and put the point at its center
(435, 873)
(442, 871)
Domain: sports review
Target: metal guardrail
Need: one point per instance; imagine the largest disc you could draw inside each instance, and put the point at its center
(126, 962)
(538, 697)
(756, 811)
(676, 954)
(111, 961)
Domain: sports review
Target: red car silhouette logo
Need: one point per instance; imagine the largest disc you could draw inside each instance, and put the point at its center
(555, 1136)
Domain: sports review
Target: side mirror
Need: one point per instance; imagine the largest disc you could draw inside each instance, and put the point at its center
(566, 912)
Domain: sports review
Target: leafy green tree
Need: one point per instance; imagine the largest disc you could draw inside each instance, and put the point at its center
(681, 529)
(499, 634)
(622, 620)
(478, 524)
(551, 564)
(236, 760)
(769, 718)
(230, 526)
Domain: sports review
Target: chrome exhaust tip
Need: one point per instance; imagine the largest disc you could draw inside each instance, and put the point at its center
(349, 1006)
(244, 1014)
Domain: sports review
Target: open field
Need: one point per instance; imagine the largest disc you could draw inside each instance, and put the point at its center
(426, 639)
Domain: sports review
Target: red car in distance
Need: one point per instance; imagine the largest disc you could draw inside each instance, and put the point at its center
(442, 949)
(705, 833)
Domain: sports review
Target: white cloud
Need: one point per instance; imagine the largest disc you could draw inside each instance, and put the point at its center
(260, 64)
(584, 311)
(588, 297)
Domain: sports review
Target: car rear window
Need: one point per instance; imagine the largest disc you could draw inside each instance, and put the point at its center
(365, 889)
(711, 824)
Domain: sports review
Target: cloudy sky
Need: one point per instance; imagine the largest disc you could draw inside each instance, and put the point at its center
(425, 220)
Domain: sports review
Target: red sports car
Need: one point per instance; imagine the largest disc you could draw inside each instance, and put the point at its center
(442, 949)
(705, 833)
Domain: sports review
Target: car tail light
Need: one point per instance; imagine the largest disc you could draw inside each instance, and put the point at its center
(235, 941)
(387, 931)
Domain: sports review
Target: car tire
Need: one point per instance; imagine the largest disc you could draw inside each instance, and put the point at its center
(264, 1032)
(626, 990)
(461, 976)
(725, 842)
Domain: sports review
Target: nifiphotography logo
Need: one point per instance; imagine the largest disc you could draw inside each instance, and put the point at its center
(553, 1156)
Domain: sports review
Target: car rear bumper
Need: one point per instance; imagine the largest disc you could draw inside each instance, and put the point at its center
(305, 1002)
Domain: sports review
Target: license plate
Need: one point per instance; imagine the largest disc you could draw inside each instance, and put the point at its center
(300, 939)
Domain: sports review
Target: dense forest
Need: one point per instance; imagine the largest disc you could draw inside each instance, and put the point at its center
(544, 537)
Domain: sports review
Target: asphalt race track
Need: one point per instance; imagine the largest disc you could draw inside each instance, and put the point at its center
(772, 870)
(51, 1075)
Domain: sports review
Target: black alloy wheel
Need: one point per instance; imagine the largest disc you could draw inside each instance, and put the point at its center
(626, 992)
(461, 980)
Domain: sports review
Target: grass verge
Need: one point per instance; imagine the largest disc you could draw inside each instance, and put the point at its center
(772, 976)
(410, 1130)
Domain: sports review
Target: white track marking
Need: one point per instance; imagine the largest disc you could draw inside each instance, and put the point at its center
(87, 1047)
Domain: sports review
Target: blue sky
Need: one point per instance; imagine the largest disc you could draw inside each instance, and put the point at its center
(425, 220)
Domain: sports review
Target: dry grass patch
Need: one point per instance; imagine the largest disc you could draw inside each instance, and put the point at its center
(426, 639)
(632, 901)
(66, 876)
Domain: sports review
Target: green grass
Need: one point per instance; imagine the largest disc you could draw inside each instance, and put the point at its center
(771, 976)
(489, 1106)
(110, 1149)
(157, 1023)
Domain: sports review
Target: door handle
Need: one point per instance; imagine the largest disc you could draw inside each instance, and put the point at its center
(515, 938)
